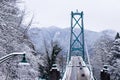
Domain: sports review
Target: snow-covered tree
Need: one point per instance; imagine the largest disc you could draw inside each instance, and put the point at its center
(114, 59)
(100, 51)
(12, 39)
(48, 61)
(117, 36)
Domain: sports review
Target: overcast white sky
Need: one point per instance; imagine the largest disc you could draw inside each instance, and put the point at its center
(98, 14)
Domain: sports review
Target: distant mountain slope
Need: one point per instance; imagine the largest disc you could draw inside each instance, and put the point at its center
(42, 36)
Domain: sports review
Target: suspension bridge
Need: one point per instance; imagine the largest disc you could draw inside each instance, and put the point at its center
(78, 65)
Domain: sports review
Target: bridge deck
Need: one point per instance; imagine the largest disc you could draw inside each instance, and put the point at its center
(77, 70)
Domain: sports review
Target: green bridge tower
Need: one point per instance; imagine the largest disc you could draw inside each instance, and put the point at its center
(77, 35)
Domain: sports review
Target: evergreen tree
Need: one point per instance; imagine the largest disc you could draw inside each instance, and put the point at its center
(114, 60)
(48, 62)
(117, 36)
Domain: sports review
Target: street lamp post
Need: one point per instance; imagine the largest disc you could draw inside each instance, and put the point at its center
(6, 57)
(23, 62)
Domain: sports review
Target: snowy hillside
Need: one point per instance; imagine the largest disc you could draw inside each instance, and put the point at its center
(12, 39)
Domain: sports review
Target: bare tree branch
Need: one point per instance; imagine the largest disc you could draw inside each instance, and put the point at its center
(28, 26)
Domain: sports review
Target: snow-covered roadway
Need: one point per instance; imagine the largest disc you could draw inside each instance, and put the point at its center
(77, 70)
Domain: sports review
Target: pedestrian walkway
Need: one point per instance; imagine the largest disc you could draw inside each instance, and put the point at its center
(77, 70)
